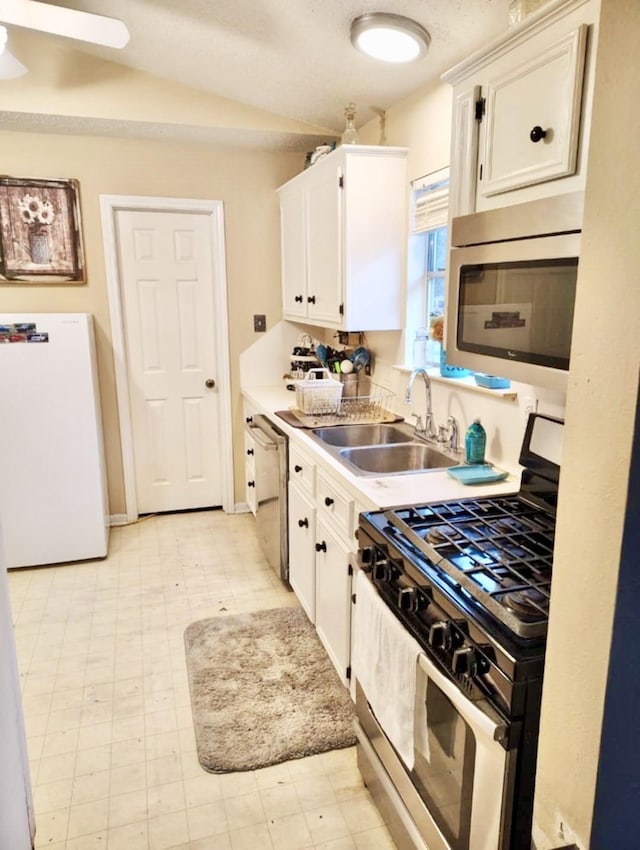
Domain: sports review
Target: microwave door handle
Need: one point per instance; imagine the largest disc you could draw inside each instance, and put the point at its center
(478, 719)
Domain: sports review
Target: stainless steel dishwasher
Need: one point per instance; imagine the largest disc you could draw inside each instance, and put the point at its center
(271, 462)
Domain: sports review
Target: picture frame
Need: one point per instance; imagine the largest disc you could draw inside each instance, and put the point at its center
(40, 231)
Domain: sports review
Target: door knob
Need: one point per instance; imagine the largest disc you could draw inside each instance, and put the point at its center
(209, 383)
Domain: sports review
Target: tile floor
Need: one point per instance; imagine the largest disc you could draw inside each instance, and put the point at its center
(113, 763)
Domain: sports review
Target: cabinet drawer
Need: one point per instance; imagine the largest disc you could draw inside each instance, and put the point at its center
(302, 470)
(336, 506)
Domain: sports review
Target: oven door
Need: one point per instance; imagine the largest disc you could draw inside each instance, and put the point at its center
(461, 769)
(459, 794)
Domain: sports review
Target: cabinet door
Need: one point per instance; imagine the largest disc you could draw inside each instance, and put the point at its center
(294, 272)
(333, 597)
(251, 494)
(464, 152)
(530, 130)
(323, 222)
(302, 550)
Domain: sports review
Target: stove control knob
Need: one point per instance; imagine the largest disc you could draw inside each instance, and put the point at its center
(384, 571)
(465, 662)
(440, 636)
(365, 558)
(409, 599)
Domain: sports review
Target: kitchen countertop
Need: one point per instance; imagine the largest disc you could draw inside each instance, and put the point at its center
(374, 492)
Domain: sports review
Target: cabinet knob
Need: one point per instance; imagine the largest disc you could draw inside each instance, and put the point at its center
(311, 299)
(328, 501)
(298, 299)
(249, 420)
(537, 134)
(303, 523)
(209, 383)
(297, 468)
(249, 451)
(251, 483)
(321, 547)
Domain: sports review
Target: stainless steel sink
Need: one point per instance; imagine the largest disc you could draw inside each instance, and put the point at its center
(399, 458)
(363, 435)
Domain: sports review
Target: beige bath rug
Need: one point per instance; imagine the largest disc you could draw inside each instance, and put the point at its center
(263, 691)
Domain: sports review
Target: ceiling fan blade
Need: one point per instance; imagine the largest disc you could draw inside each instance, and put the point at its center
(10, 67)
(59, 20)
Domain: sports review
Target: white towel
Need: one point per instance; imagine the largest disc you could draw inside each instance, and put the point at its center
(385, 658)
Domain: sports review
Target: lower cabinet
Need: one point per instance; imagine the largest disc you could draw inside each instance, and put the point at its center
(251, 493)
(333, 597)
(322, 522)
(302, 553)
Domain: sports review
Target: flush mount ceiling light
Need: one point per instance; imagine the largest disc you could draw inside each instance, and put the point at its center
(391, 38)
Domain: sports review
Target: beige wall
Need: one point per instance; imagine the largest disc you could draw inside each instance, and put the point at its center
(244, 181)
(601, 405)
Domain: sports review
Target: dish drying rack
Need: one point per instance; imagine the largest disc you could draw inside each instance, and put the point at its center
(356, 400)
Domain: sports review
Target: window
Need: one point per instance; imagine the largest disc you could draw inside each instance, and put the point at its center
(428, 246)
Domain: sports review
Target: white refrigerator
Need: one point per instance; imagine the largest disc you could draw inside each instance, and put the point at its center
(53, 493)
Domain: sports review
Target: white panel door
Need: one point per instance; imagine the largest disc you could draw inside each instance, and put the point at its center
(166, 271)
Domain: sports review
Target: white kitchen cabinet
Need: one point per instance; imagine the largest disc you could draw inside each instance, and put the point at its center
(323, 518)
(333, 597)
(302, 470)
(522, 111)
(250, 485)
(302, 552)
(343, 240)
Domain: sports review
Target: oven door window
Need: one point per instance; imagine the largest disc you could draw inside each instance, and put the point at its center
(445, 762)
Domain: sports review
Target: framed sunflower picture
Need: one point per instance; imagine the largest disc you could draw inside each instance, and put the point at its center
(40, 232)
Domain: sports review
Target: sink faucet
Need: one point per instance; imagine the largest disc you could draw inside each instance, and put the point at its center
(453, 434)
(429, 428)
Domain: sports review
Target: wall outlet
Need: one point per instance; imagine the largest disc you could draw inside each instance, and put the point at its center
(529, 405)
(259, 323)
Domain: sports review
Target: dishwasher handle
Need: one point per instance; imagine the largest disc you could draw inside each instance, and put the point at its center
(263, 439)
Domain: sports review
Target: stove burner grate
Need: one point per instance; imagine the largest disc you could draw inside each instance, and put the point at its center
(498, 551)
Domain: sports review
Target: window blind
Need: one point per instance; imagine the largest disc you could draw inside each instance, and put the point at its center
(430, 201)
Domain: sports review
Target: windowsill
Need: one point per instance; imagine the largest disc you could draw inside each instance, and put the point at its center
(468, 383)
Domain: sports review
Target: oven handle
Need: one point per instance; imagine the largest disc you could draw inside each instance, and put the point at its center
(479, 719)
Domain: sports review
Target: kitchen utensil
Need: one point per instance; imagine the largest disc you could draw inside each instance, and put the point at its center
(321, 354)
(346, 366)
(360, 358)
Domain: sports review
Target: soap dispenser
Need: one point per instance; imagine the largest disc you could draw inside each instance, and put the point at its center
(475, 442)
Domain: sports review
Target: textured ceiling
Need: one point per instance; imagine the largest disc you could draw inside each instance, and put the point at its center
(291, 57)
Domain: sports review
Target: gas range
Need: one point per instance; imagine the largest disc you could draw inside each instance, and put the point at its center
(471, 579)
(497, 552)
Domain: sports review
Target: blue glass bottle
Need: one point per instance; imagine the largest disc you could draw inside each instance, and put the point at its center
(475, 442)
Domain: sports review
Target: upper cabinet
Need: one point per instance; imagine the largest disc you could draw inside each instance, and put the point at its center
(343, 227)
(522, 110)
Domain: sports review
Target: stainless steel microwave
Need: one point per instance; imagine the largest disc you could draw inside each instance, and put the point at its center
(512, 288)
